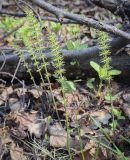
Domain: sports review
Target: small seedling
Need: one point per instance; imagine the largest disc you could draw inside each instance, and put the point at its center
(76, 45)
(110, 98)
(90, 84)
(55, 26)
(74, 29)
(117, 116)
(104, 71)
(69, 86)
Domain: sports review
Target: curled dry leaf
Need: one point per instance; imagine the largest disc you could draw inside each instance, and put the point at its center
(56, 130)
(58, 141)
(31, 122)
(5, 93)
(17, 153)
(126, 109)
(102, 117)
(36, 93)
(58, 135)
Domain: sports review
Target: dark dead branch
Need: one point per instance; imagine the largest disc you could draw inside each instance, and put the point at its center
(61, 14)
(81, 58)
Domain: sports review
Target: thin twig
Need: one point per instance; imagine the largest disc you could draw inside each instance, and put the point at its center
(16, 70)
(10, 75)
(61, 14)
(3, 61)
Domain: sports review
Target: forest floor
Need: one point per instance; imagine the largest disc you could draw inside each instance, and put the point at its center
(29, 126)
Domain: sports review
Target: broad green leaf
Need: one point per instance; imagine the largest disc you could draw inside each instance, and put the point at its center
(90, 83)
(114, 124)
(116, 112)
(114, 72)
(95, 66)
(74, 29)
(109, 97)
(56, 26)
(103, 74)
(69, 86)
(71, 45)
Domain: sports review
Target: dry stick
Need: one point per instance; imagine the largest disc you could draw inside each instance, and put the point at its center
(12, 76)
(45, 18)
(60, 14)
(2, 66)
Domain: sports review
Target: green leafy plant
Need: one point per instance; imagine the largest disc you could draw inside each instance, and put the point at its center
(110, 97)
(76, 45)
(59, 74)
(90, 84)
(8, 23)
(69, 86)
(55, 26)
(118, 116)
(105, 72)
(74, 31)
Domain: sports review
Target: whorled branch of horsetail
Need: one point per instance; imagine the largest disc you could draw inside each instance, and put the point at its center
(36, 27)
(58, 64)
(30, 41)
(105, 56)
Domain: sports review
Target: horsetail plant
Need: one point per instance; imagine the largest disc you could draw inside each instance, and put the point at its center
(58, 63)
(105, 72)
(34, 42)
(22, 59)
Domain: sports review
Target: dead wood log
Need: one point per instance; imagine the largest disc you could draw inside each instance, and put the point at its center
(80, 66)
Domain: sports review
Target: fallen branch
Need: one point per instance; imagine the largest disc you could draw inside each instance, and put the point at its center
(81, 58)
(60, 14)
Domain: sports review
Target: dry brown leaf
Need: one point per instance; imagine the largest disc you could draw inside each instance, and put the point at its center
(20, 91)
(126, 109)
(6, 92)
(17, 153)
(36, 93)
(37, 129)
(85, 130)
(58, 141)
(126, 97)
(58, 135)
(30, 122)
(102, 116)
(57, 130)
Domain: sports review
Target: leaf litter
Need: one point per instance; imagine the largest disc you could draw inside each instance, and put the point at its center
(29, 128)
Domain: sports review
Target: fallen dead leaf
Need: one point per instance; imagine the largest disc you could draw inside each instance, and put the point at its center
(57, 130)
(58, 135)
(36, 93)
(126, 109)
(17, 153)
(31, 122)
(58, 141)
(102, 116)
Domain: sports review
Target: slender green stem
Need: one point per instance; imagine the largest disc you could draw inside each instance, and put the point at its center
(67, 119)
(100, 88)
